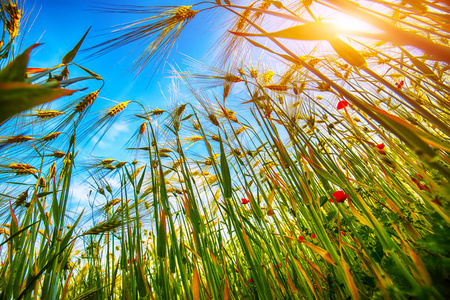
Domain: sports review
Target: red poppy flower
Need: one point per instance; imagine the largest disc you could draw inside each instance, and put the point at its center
(340, 196)
(342, 233)
(342, 104)
(245, 201)
(250, 280)
(313, 236)
(301, 239)
(380, 146)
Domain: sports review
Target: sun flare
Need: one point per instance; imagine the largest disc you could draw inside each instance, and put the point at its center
(348, 23)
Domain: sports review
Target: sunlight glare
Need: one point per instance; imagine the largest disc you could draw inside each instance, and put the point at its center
(347, 23)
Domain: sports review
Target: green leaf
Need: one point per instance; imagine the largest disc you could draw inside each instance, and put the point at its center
(17, 97)
(417, 139)
(187, 117)
(277, 4)
(377, 252)
(43, 217)
(88, 71)
(161, 242)
(43, 194)
(227, 188)
(14, 226)
(65, 242)
(421, 66)
(71, 54)
(259, 45)
(323, 200)
(17, 233)
(42, 74)
(172, 262)
(68, 82)
(5, 51)
(16, 70)
(308, 31)
(331, 215)
(347, 52)
(138, 188)
(322, 172)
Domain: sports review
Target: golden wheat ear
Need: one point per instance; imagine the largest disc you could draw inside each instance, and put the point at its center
(162, 28)
(86, 101)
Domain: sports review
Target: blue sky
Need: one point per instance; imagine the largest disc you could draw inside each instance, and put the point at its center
(60, 24)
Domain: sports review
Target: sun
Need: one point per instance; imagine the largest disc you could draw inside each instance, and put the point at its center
(346, 23)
